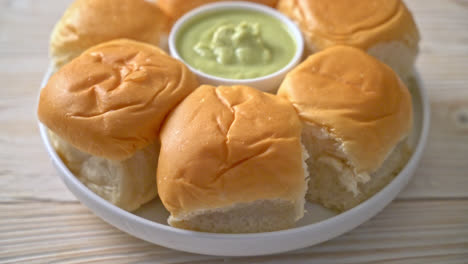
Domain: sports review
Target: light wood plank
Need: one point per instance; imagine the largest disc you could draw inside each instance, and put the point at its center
(443, 171)
(405, 232)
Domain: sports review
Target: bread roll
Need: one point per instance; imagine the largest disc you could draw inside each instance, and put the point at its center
(355, 112)
(111, 100)
(89, 22)
(231, 161)
(106, 108)
(383, 28)
(177, 8)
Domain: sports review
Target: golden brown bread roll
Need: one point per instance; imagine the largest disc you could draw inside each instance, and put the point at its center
(231, 160)
(105, 109)
(177, 8)
(384, 28)
(111, 100)
(355, 112)
(89, 22)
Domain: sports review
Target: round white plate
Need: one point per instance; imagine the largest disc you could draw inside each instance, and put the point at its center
(318, 225)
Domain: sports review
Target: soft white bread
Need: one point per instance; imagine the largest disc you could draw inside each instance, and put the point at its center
(384, 28)
(231, 161)
(89, 22)
(127, 184)
(105, 109)
(112, 99)
(355, 112)
(177, 8)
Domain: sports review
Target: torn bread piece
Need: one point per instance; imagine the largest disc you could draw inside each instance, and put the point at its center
(357, 115)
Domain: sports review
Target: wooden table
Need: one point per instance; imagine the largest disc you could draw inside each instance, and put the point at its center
(42, 222)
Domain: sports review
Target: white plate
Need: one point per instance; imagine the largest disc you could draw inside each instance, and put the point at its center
(318, 224)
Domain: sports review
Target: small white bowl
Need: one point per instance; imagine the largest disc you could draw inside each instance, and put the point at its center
(318, 225)
(268, 83)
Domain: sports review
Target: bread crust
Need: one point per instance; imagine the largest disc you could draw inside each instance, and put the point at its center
(356, 23)
(227, 145)
(89, 22)
(112, 99)
(359, 100)
(177, 8)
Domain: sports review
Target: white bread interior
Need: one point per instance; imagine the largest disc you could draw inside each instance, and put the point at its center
(127, 184)
(257, 216)
(334, 181)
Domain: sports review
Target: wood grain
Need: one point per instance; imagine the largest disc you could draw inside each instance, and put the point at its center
(406, 231)
(41, 222)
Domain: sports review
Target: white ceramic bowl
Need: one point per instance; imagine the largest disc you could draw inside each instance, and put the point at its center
(318, 224)
(268, 83)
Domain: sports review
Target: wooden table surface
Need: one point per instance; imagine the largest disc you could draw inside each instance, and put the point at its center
(42, 222)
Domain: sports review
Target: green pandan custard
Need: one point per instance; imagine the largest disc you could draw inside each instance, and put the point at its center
(236, 44)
